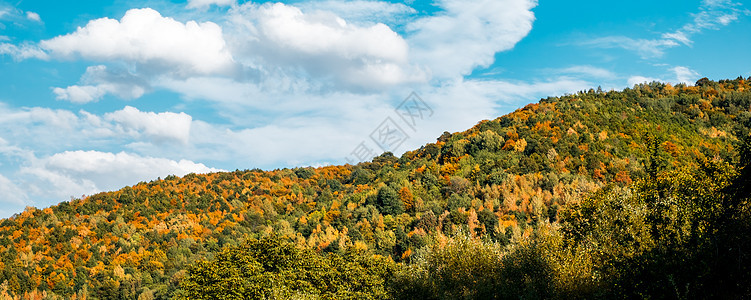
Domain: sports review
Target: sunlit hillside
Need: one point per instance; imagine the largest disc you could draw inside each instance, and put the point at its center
(598, 194)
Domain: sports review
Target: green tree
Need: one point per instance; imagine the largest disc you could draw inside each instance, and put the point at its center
(389, 202)
(271, 268)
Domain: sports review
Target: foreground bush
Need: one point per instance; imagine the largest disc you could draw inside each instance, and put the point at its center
(271, 268)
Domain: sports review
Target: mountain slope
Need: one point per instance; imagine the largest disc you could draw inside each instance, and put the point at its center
(498, 180)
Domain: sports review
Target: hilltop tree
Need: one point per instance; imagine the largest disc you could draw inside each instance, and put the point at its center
(389, 202)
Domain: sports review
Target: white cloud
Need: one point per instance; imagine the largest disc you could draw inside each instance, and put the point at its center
(99, 81)
(712, 15)
(718, 12)
(685, 75)
(158, 127)
(203, 4)
(79, 94)
(281, 39)
(155, 43)
(598, 73)
(678, 36)
(103, 163)
(467, 34)
(634, 80)
(32, 16)
(120, 82)
(678, 74)
(324, 33)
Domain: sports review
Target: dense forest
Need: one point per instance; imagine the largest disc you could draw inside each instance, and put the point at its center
(623, 194)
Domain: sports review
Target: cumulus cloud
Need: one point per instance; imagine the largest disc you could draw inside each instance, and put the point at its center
(99, 81)
(203, 4)
(103, 163)
(158, 127)
(279, 37)
(79, 94)
(155, 43)
(318, 34)
(467, 34)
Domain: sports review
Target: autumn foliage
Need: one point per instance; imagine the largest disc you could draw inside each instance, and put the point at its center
(500, 182)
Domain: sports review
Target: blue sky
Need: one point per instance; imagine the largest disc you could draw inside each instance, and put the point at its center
(97, 95)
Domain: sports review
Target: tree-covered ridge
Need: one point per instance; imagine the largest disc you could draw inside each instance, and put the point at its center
(501, 181)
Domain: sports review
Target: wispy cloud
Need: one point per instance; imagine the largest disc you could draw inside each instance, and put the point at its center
(7, 12)
(712, 15)
(637, 79)
(677, 74)
(362, 11)
(589, 71)
(24, 51)
(32, 16)
(644, 47)
(17, 16)
(685, 75)
(204, 4)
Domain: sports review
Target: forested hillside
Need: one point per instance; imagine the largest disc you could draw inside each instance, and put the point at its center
(614, 194)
